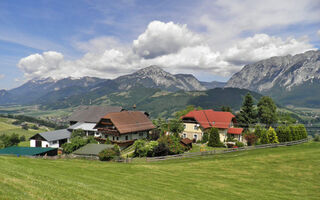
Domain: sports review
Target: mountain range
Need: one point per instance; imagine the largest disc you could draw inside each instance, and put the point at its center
(290, 80)
(48, 90)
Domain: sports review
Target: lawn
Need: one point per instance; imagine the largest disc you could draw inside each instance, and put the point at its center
(276, 173)
(203, 147)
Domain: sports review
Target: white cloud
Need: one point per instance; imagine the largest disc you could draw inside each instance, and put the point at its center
(2, 76)
(228, 20)
(98, 44)
(164, 38)
(172, 46)
(262, 46)
(318, 33)
(40, 65)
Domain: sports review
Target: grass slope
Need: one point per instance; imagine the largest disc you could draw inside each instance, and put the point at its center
(278, 173)
(6, 127)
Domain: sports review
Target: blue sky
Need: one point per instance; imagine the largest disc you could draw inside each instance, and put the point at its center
(210, 39)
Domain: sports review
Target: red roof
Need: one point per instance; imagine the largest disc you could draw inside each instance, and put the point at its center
(211, 118)
(235, 131)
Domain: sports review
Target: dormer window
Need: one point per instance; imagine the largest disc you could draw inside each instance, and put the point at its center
(196, 127)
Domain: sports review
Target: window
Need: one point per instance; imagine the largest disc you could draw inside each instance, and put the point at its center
(195, 137)
(184, 135)
(196, 127)
(141, 134)
(127, 138)
(117, 138)
(112, 137)
(54, 142)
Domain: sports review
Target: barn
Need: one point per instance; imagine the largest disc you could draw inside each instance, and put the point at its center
(54, 139)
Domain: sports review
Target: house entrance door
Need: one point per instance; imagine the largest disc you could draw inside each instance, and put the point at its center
(38, 143)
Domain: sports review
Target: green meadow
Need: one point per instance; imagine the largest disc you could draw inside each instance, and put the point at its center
(276, 173)
(6, 127)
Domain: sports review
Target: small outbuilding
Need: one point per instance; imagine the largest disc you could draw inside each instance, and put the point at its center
(29, 151)
(54, 139)
(186, 142)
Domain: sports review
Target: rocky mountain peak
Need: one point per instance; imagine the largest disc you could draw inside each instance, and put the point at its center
(282, 71)
(152, 70)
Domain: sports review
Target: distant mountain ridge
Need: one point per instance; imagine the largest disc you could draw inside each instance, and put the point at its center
(155, 77)
(48, 90)
(293, 80)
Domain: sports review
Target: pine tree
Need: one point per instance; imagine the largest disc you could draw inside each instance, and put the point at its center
(247, 115)
(272, 136)
(214, 138)
(267, 111)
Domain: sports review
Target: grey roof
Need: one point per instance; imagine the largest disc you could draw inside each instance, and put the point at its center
(92, 149)
(54, 135)
(92, 114)
(83, 126)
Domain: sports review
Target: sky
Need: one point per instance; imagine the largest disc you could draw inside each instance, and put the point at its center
(210, 39)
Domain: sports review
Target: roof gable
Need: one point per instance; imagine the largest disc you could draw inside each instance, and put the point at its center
(54, 135)
(130, 121)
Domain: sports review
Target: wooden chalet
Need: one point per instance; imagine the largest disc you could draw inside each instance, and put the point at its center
(123, 128)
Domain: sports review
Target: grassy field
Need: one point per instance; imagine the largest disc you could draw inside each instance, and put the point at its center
(203, 147)
(277, 173)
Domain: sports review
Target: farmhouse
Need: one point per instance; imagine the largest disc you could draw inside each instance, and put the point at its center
(197, 121)
(86, 118)
(123, 128)
(54, 139)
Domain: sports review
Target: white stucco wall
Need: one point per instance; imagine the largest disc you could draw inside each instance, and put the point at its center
(32, 143)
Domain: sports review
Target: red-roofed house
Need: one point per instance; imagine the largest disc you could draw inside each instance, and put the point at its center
(197, 121)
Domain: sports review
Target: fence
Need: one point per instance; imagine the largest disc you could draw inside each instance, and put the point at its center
(215, 152)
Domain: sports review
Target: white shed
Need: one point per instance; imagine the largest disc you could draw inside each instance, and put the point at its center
(52, 139)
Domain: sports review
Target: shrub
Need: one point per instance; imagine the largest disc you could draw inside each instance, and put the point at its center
(23, 138)
(205, 137)
(251, 138)
(264, 139)
(161, 150)
(174, 145)
(143, 149)
(272, 135)
(294, 133)
(139, 148)
(109, 154)
(230, 139)
(77, 133)
(283, 133)
(239, 144)
(8, 141)
(76, 143)
(316, 138)
(302, 131)
(258, 130)
(214, 138)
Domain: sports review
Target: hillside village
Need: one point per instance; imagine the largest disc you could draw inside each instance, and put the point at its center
(111, 132)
